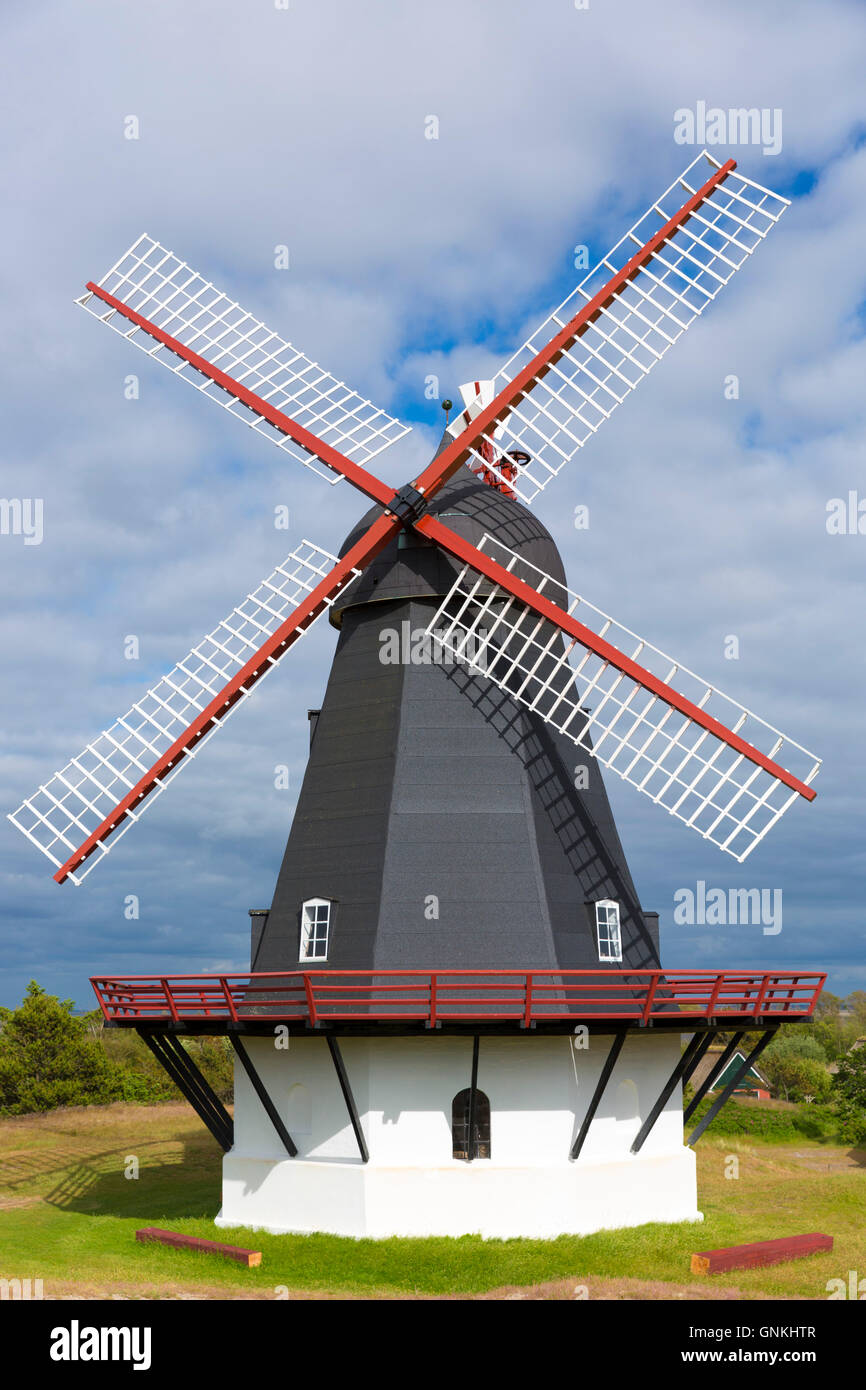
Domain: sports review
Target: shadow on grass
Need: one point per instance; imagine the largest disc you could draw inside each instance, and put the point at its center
(165, 1188)
(147, 1181)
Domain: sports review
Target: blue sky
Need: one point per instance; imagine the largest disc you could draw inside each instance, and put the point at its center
(306, 127)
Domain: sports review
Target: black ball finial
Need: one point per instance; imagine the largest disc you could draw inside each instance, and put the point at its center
(446, 405)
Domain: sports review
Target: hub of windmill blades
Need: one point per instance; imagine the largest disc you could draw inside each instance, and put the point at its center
(407, 505)
(692, 750)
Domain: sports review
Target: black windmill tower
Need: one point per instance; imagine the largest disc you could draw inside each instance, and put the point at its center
(446, 822)
(453, 866)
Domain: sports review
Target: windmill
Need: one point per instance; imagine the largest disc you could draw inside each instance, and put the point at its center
(446, 879)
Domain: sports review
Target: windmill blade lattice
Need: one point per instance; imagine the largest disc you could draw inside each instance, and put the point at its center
(580, 388)
(70, 808)
(155, 284)
(668, 755)
(702, 756)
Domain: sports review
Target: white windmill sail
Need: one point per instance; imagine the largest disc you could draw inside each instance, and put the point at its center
(668, 755)
(65, 811)
(155, 284)
(563, 407)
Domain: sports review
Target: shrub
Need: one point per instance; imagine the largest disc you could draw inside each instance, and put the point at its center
(747, 1120)
(49, 1058)
(817, 1122)
(795, 1064)
(849, 1095)
(145, 1081)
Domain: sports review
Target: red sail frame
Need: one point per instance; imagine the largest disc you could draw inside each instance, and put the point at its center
(383, 530)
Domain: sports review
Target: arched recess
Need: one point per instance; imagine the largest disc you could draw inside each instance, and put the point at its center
(625, 1103)
(299, 1110)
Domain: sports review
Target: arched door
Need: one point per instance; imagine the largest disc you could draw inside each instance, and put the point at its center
(479, 1147)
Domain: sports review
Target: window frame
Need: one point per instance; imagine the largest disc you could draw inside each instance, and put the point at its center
(309, 934)
(612, 954)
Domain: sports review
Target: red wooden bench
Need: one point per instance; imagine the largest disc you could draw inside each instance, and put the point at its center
(211, 1247)
(762, 1252)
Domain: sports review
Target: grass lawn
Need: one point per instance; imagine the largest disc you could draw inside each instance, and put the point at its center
(68, 1216)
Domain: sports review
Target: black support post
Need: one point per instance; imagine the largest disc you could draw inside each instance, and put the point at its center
(348, 1097)
(601, 1087)
(681, 1072)
(731, 1087)
(192, 1086)
(199, 1084)
(473, 1092)
(260, 1090)
(715, 1072)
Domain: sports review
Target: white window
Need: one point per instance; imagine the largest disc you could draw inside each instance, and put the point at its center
(607, 926)
(315, 925)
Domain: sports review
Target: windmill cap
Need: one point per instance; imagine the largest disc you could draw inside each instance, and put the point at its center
(412, 567)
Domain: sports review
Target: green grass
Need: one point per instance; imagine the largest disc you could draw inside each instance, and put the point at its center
(68, 1216)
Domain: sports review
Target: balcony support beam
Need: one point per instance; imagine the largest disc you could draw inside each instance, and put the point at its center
(712, 1076)
(193, 1086)
(681, 1073)
(731, 1086)
(601, 1087)
(473, 1096)
(261, 1091)
(348, 1097)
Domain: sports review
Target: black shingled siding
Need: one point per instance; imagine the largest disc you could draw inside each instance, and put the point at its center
(428, 780)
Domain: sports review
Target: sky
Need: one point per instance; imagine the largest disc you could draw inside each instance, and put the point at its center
(306, 125)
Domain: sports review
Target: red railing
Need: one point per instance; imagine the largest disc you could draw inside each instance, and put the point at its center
(431, 997)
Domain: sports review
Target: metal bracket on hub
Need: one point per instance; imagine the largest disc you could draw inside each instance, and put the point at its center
(407, 505)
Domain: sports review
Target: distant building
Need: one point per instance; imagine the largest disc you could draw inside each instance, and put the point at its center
(752, 1084)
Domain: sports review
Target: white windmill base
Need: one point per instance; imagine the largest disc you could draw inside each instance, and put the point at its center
(538, 1089)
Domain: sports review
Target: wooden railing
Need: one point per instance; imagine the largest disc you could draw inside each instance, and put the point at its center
(431, 997)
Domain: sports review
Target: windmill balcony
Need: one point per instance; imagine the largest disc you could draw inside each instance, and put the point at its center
(418, 1000)
(450, 1102)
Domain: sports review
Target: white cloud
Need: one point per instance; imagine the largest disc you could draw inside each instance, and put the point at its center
(408, 255)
